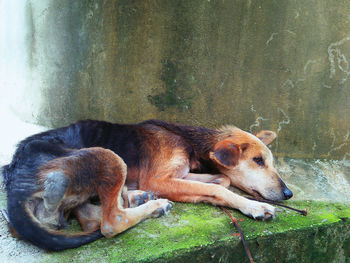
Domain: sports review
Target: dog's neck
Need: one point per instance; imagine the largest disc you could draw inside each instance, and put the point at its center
(203, 140)
(216, 136)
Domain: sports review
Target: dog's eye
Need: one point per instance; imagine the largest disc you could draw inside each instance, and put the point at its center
(259, 161)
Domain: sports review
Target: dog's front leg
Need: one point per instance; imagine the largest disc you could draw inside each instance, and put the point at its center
(181, 190)
(218, 179)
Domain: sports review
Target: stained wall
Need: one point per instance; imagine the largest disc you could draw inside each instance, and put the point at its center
(280, 65)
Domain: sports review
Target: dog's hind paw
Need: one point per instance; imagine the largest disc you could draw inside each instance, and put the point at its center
(163, 207)
(138, 197)
(259, 211)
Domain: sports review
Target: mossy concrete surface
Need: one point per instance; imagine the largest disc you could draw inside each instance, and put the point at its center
(203, 233)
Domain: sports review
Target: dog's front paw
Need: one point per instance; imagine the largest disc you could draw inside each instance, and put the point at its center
(162, 207)
(258, 210)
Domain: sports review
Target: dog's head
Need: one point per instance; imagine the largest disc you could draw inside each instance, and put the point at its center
(248, 162)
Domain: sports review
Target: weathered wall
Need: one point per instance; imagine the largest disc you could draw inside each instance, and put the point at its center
(280, 65)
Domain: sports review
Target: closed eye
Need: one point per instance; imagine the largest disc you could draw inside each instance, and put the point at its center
(259, 161)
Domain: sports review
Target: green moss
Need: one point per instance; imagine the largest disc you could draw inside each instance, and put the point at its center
(201, 231)
(174, 94)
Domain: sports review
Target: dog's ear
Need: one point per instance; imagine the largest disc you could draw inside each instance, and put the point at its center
(226, 153)
(266, 137)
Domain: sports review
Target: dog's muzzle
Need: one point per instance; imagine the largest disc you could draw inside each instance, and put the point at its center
(285, 190)
(287, 193)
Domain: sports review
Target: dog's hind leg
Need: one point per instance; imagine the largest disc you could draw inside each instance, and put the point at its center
(55, 186)
(89, 216)
(138, 197)
(115, 221)
(116, 218)
(46, 205)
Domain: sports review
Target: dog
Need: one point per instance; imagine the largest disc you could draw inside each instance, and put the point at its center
(62, 171)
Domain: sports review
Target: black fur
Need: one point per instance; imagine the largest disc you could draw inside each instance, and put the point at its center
(20, 176)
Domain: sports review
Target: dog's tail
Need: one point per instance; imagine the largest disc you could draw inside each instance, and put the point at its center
(25, 226)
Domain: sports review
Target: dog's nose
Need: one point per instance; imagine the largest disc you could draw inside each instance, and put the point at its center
(287, 193)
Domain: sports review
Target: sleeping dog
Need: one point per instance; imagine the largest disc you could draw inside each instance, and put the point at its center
(58, 172)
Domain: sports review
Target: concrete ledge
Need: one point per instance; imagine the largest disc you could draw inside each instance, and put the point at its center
(203, 233)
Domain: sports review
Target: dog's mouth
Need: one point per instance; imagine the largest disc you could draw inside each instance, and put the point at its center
(257, 195)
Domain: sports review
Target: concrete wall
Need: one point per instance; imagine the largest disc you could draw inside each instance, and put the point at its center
(280, 65)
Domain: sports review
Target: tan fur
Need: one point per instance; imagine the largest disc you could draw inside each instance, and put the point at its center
(167, 168)
(168, 178)
(108, 181)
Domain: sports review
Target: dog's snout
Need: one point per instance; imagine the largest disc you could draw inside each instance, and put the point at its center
(287, 193)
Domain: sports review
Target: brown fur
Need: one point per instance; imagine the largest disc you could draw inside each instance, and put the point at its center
(175, 162)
